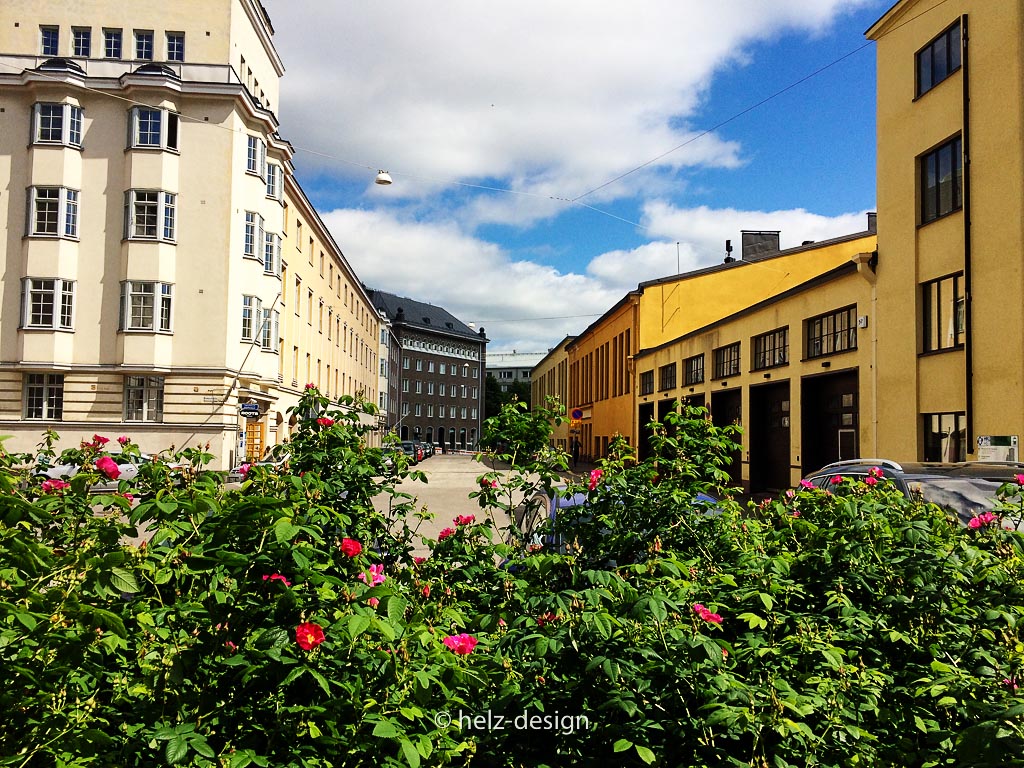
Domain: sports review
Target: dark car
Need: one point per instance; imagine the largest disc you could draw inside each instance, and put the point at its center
(965, 489)
(412, 450)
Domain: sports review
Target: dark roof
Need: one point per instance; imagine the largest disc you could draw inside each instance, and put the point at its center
(403, 311)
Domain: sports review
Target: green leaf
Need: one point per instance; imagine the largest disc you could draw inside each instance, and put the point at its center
(946, 701)
(284, 530)
(919, 724)
(645, 754)
(199, 745)
(357, 624)
(395, 607)
(385, 729)
(27, 619)
(177, 749)
(412, 756)
(622, 745)
(123, 581)
(753, 620)
(766, 599)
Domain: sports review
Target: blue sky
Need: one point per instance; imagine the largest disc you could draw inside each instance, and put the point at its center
(552, 100)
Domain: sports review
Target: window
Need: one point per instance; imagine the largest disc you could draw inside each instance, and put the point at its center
(145, 306)
(254, 235)
(149, 214)
(771, 349)
(309, 306)
(727, 361)
(419, 364)
(81, 41)
(405, 385)
(476, 392)
(47, 303)
(44, 396)
(270, 331)
(441, 391)
(53, 212)
(49, 41)
(175, 46)
(647, 383)
(942, 180)
(419, 387)
(153, 128)
(430, 387)
(832, 332)
(942, 305)
(405, 363)
(298, 295)
(252, 313)
(256, 161)
(441, 368)
(430, 411)
(57, 124)
(938, 60)
(945, 437)
(112, 43)
(693, 370)
(274, 181)
(272, 254)
(144, 398)
(143, 45)
(667, 377)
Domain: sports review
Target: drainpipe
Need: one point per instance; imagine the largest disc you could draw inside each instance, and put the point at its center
(968, 299)
(866, 263)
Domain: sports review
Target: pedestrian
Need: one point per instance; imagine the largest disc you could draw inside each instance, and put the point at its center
(575, 453)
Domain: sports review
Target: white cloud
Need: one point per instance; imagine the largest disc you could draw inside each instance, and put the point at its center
(548, 98)
(522, 304)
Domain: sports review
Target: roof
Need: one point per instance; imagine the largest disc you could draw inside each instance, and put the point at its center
(514, 359)
(412, 314)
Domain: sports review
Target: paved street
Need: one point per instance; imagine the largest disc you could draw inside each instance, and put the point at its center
(450, 480)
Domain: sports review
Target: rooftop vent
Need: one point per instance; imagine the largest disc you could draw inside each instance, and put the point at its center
(157, 69)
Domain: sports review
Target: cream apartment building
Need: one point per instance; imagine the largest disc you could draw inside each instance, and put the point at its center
(164, 270)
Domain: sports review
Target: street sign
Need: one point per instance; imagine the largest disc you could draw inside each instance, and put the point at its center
(577, 414)
(250, 410)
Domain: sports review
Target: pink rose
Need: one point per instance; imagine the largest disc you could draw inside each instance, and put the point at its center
(465, 520)
(871, 480)
(426, 590)
(311, 385)
(230, 646)
(124, 439)
(128, 497)
(837, 479)
(806, 484)
(54, 486)
(374, 602)
(323, 421)
(444, 534)
(1019, 479)
(244, 469)
(277, 577)
(419, 560)
(376, 575)
(461, 644)
(99, 440)
(108, 467)
(595, 476)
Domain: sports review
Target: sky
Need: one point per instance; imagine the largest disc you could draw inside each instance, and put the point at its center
(549, 156)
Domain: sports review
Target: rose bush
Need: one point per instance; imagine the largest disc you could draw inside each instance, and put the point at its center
(289, 623)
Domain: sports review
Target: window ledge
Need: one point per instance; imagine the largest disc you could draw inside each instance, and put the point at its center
(45, 329)
(136, 331)
(932, 352)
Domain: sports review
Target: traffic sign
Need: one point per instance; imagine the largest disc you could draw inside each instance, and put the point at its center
(577, 414)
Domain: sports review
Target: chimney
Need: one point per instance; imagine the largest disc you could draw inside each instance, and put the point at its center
(760, 243)
(872, 222)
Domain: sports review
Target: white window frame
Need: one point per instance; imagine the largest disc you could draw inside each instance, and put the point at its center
(175, 46)
(149, 394)
(256, 158)
(81, 40)
(68, 128)
(253, 239)
(272, 254)
(275, 174)
(166, 134)
(164, 215)
(44, 31)
(50, 396)
(252, 316)
(270, 331)
(161, 305)
(66, 202)
(61, 300)
(113, 44)
(140, 36)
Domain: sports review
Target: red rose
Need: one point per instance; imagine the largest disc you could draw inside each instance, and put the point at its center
(351, 547)
(465, 520)
(309, 635)
(108, 467)
(444, 534)
(426, 590)
(323, 421)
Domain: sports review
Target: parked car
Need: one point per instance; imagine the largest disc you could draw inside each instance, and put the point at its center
(236, 475)
(964, 489)
(545, 523)
(413, 450)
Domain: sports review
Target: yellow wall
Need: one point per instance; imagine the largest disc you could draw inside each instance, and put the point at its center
(910, 253)
(600, 378)
(671, 308)
(850, 288)
(550, 378)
